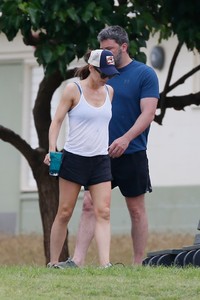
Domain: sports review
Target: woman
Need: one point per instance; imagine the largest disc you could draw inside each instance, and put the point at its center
(85, 159)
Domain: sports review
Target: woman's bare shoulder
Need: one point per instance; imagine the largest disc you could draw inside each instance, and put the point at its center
(110, 90)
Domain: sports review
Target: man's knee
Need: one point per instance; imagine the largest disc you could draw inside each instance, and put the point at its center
(136, 207)
(87, 203)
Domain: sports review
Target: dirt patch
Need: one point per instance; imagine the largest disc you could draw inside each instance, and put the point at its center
(121, 246)
(28, 249)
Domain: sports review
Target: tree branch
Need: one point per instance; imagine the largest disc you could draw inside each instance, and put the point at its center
(9, 136)
(162, 101)
(183, 78)
(179, 103)
(31, 39)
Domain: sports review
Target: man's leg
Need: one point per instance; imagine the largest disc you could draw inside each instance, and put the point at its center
(139, 228)
(85, 231)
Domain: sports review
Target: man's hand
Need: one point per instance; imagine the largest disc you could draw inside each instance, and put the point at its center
(118, 147)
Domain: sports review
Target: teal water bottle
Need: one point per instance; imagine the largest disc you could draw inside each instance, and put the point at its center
(55, 163)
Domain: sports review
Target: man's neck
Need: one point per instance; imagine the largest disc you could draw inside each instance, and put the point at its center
(125, 62)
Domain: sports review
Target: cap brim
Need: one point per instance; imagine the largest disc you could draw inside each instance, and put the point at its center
(111, 70)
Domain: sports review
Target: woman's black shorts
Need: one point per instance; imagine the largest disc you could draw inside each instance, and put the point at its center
(130, 173)
(84, 170)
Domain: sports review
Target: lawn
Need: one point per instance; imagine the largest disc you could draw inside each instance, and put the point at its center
(137, 283)
(23, 274)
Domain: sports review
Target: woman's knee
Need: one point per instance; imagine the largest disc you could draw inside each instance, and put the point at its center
(64, 214)
(103, 213)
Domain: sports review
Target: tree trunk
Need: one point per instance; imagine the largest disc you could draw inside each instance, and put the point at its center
(48, 202)
(47, 186)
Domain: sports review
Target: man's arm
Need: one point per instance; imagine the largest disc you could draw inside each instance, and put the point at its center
(148, 109)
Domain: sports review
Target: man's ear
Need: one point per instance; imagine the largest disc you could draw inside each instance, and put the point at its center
(124, 47)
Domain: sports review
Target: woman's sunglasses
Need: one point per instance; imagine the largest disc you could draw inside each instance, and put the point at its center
(103, 76)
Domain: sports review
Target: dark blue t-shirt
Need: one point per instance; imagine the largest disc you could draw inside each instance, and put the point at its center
(136, 81)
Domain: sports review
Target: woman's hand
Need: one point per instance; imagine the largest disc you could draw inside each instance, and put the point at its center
(47, 159)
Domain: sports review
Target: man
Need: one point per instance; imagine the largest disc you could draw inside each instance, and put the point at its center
(136, 94)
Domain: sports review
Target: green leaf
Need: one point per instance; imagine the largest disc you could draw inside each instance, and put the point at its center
(70, 27)
(73, 14)
(46, 54)
(33, 14)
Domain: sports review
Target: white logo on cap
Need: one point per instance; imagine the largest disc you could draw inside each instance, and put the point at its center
(110, 60)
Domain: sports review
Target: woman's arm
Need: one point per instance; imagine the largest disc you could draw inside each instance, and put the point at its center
(66, 103)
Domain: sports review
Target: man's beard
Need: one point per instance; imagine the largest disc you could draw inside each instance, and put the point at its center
(118, 58)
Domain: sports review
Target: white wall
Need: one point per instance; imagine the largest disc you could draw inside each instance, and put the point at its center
(174, 147)
(14, 49)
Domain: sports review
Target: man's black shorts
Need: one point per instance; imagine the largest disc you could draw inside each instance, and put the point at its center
(130, 173)
(84, 170)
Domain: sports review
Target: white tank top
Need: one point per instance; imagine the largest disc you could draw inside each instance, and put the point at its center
(88, 127)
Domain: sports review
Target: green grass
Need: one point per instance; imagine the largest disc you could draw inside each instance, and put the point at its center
(137, 283)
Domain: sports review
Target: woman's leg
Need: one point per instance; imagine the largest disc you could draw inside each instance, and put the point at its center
(101, 197)
(85, 230)
(68, 193)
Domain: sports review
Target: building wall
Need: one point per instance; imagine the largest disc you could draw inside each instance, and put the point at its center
(171, 209)
(11, 117)
(173, 153)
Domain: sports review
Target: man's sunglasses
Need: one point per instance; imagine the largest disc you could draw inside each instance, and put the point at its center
(103, 76)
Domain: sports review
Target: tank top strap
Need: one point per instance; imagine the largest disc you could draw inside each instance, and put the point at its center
(80, 90)
(107, 88)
